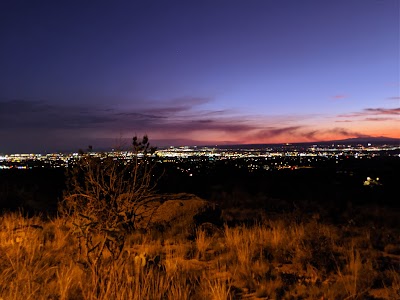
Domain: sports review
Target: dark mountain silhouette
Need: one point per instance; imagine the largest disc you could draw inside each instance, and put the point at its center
(372, 140)
(381, 140)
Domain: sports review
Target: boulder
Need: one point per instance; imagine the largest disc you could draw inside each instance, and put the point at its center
(178, 214)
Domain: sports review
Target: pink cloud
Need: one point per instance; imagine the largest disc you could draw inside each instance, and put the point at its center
(372, 112)
(339, 96)
(380, 119)
(383, 111)
(183, 120)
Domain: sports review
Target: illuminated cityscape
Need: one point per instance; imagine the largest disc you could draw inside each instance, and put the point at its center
(254, 157)
(199, 150)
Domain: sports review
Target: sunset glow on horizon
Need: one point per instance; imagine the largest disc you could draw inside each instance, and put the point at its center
(197, 73)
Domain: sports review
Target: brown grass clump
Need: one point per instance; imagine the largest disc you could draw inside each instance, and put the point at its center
(273, 259)
(203, 242)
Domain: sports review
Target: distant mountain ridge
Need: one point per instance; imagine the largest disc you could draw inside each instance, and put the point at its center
(354, 141)
(375, 140)
(163, 144)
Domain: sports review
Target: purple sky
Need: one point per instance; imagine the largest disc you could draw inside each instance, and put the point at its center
(74, 73)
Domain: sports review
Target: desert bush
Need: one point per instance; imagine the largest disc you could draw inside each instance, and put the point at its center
(103, 198)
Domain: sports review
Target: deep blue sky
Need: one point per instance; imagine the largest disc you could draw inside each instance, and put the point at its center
(74, 73)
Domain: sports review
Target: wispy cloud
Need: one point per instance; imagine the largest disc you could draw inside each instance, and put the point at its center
(138, 115)
(372, 112)
(345, 132)
(173, 106)
(182, 119)
(383, 111)
(381, 119)
(40, 115)
(305, 133)
(272, 132)
(20, 106)
(339, 96)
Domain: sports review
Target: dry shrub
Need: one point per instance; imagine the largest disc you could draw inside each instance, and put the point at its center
(105, 198)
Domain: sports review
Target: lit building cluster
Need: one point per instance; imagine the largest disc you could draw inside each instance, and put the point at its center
(253, 158)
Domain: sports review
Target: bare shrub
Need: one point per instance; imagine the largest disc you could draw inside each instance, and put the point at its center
(105, 197)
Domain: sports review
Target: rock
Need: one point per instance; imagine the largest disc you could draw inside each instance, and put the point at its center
(178, 214)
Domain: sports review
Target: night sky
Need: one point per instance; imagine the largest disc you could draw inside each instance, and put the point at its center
(74, 73)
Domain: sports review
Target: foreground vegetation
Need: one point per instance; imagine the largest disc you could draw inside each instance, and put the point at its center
(114, 238)
(279, 257)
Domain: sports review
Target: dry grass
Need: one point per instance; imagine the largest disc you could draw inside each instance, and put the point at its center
(217, 289)
(279, 259)
(203, 242)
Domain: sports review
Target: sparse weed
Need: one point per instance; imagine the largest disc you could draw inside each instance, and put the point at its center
(218, 289)
(274, 259)
(203, 242)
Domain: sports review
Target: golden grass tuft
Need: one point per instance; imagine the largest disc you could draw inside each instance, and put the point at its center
(273, 259)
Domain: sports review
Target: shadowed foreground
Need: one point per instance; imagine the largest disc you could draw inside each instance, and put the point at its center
(279, 257)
